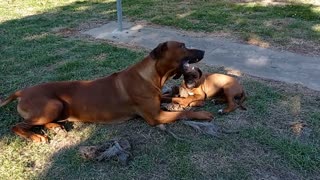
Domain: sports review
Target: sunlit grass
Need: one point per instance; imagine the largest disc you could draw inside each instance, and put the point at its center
(32, 52)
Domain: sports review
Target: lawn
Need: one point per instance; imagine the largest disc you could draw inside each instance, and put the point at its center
(35, 47)
(292, 25)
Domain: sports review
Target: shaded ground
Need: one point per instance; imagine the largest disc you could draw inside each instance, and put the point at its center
(32, 52)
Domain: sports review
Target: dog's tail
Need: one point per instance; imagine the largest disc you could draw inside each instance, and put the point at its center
(10, 98)
(242, 99)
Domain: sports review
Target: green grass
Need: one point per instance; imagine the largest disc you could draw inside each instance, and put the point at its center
(32, 52)
(271, 25)
(298, 155)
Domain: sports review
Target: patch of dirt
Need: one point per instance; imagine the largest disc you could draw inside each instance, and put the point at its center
(300, 128)
(91, 24)
(255, 157)
(302, 46)
(278, 23)
(209, 161)
(237, 120)
(65, 32)
(257, 42)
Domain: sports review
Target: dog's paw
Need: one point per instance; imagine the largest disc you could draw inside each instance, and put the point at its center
(59, 130)
(39, 138)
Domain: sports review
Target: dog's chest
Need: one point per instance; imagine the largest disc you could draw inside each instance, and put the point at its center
(190, 93)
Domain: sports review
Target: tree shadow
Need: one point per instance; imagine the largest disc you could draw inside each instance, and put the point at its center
(32, 52)
(29, 46)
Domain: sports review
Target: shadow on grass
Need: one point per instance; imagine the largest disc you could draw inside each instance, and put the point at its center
(32, 52)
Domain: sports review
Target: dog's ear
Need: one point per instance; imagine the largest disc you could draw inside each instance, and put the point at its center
(200, 72)
(158, 52)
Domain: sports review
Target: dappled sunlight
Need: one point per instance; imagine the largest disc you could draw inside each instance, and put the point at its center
(183, 15)
(254, 40)
(295, 105)
(37, 158)
(316, 10)
(316, 27)
(277, 24)
(35, 50)
(234, 72)
(109, 12)
(82, 8)
(35, 37)
(137, 27)
(296, 124)
(22, 9)
(313, 2)
(253, 4)
(257, 61)
(26, 12)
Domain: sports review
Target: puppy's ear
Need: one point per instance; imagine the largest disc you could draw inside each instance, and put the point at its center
(158, 52)
(178, 75)
(200, 72)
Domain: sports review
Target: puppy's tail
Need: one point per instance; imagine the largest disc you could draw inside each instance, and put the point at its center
(10, 98)
(243, 97)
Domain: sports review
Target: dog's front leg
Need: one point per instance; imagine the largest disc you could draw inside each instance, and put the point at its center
(188, 100)
(152, 113)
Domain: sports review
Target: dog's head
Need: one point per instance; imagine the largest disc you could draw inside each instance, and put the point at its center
(191, 76)
(172, 55)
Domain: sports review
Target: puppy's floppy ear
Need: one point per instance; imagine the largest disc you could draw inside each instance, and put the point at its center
(178, 75)
(158, 52)
(200, 72)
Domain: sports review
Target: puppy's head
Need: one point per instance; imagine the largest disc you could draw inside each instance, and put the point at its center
(191, 76)
(172, 55)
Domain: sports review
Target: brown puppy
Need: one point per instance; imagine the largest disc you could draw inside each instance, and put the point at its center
(115, 98)
(197, 87)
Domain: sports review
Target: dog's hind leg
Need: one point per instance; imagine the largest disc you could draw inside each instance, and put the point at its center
(45, 113)
(229, 94)
(55, 127)
(24, 130)
(230, 107)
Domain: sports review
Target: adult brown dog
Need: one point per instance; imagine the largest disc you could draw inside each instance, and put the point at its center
(197, 87)
(115, 98)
